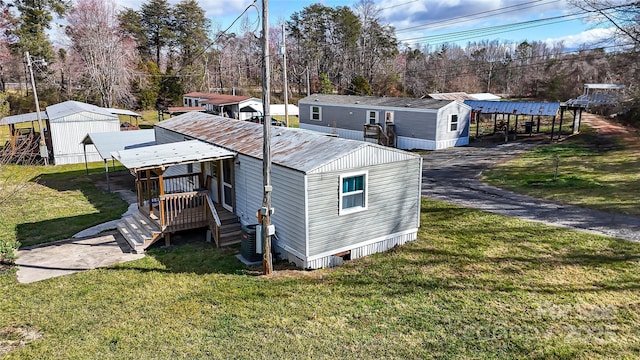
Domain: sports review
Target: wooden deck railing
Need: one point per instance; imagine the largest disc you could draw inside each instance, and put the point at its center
(172, 184)
(183, 211)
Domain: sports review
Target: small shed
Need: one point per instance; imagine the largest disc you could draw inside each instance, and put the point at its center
(406, 123)
(334, 198)
(65, 126)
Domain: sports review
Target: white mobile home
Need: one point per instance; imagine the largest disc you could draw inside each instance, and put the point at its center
(427, 124)
(333, 198)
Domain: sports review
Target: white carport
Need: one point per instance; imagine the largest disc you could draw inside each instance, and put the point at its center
(108, 142)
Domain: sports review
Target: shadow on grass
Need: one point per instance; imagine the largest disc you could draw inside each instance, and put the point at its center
(108, 206)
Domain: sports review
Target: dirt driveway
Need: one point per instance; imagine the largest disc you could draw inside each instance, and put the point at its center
(451, 175)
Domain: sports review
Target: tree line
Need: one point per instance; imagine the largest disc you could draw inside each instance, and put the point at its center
(147, 58)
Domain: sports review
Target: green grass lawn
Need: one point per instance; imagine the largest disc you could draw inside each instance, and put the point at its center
(53, 202)
(596, 172)
(474, 285)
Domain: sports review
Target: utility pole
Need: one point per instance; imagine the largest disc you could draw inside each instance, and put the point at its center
(266, 210)
(44, 152)
(285, 85)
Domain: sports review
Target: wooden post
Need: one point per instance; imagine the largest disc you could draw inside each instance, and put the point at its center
(515, 133)
(506, 130)
(267, 265)
(538, 126)
(495, 123)
(148, 173)
(553, 127)
(478, 122)
(561, 118)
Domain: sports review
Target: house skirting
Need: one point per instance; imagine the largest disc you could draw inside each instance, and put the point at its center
(357, 251)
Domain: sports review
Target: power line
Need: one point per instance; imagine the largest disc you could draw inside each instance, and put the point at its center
(473, 17)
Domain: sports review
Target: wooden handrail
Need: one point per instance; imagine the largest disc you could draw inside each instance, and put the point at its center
(217, 224)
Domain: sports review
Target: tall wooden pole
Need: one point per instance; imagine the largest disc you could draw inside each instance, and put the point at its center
(267, 265)
(285, 85)
(44, 152)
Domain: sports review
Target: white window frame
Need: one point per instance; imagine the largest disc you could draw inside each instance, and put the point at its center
(368, 119)
(311, 112)
(354, 209)
(388, 117)
(451, 122)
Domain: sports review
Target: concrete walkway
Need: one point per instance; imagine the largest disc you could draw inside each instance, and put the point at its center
(98, 246)
(451, 175)
(70, 256)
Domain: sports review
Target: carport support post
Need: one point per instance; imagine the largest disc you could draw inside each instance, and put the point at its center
(106, 169)
(495, 123)
(561, 118)
(478, 122)
(553, 126)
(506, 130)
(515, 133)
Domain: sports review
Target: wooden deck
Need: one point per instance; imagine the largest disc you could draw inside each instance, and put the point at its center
(178, 212)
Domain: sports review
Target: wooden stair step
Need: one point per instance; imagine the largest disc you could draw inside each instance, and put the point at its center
(138, 231)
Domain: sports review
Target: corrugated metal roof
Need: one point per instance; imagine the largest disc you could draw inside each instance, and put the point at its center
(451, 96)
(108, 142)
(165, 155)
(299, 150)
(484, 96)
(71, 107)
(22, 118)
(604, 86)
(515, 107)
(122, 112)
(388, 102)
(223, 99)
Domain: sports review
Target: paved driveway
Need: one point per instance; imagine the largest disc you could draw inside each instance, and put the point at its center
(451, 175)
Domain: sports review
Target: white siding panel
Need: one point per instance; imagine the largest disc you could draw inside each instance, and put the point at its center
(413, 143)
(287, 199)
(365, 156)
(393, 193)
(67, 140)
(362, 250)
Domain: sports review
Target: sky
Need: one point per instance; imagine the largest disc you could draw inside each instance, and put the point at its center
(434, 22)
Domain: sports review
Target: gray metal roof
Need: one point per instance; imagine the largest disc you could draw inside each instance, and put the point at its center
(123, 112)
(165, 155)
(299, 150)
(604, 86)
(71, 107)
(515, 107)
(108, 142)
(63, 109)
(387, 102)
(22, 118)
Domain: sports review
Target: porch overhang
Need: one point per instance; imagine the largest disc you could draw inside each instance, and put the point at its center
(166, 155)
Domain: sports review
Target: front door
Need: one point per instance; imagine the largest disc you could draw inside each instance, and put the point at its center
(227, 184)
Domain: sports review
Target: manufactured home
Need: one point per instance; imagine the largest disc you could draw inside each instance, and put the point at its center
(232, 106)
(406, 123)
(333, 198)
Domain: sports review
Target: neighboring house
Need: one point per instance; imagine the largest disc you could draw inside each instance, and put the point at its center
(66, 125)
(278, 110)
(412, 123)
(231, 106)
(333, 198)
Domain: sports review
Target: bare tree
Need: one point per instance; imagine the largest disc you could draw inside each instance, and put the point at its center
(106, 54)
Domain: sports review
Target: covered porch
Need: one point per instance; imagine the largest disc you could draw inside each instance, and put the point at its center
(178, 189)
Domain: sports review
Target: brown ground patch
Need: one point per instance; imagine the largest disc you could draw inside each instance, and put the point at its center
(12, 338)
(609, 129)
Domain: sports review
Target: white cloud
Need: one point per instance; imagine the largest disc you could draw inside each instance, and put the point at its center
(587, 38)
